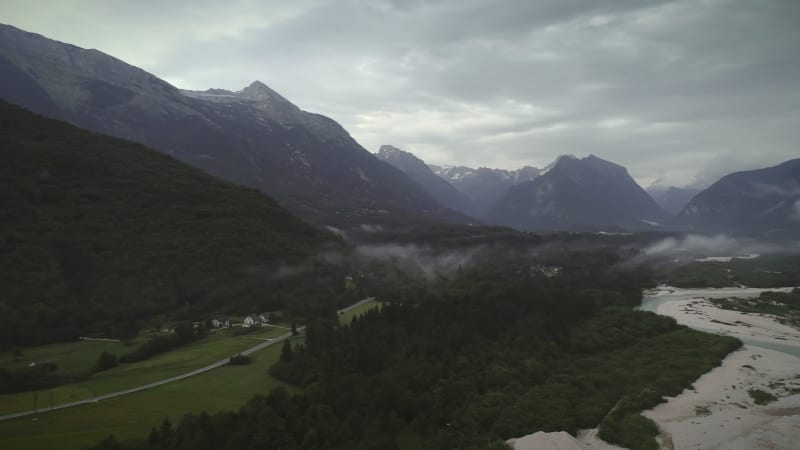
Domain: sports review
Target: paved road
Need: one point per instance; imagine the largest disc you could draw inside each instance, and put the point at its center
(170, 380)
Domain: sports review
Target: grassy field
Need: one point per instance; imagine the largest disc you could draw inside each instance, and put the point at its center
(176, 362)
(133, 415)
(71, 357)
(345, 318)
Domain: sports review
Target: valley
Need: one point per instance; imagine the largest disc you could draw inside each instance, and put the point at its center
(433, 226)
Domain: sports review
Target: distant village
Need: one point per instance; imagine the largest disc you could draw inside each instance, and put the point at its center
(218, 321)
(224, 321)
(545, 271)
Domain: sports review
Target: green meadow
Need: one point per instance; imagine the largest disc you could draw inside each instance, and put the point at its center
(81, 356)
(346, 317)
(133, 415)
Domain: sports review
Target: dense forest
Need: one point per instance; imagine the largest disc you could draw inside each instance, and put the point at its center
(496, 350)
(98, 231)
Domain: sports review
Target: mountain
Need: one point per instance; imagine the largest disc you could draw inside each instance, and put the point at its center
(417, 170)
(579, 194)
(764, 202)
(254, 136)
(672, 199)
(484, 186)
(104, 231)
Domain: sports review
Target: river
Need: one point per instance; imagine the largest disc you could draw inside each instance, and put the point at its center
(717, 411)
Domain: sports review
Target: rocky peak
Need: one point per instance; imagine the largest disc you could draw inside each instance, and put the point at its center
(559, 159)
(391, 152)
(526, 173)
(401, 159)
(260, 92)
(388, 150)
(603, 165)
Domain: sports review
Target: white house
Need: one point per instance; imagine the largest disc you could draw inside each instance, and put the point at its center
(250, 320)
(220, 321)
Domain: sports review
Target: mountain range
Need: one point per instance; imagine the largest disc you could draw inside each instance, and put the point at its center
(254, 136)
(569, 194)
(484, 186)
(590, 194)
(311, 165)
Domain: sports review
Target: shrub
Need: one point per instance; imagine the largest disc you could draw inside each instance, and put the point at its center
(239, 360)
(106, 361)
(761, 397)
(702, 410)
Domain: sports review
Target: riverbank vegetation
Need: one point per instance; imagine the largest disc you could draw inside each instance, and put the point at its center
(783, 305)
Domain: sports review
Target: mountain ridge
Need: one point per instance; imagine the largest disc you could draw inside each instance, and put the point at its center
(440, 189)
(763, 201)
(254, 137)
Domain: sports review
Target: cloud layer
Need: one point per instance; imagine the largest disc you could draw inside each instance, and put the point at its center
(672, 89)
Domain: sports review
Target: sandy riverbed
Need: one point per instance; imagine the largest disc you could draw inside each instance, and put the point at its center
(719, 413)
(755, 329)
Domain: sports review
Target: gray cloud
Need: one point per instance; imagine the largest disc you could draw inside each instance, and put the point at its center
(674, 90)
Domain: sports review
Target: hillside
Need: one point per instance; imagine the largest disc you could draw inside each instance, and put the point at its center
(764, 201)
(254, 136)
(103, 231)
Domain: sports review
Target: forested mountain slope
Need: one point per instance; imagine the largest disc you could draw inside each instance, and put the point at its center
(97, 230)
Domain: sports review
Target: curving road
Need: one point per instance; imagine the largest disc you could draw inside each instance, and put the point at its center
(175, 378)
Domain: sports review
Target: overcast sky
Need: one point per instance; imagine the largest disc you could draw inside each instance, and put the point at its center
(675, 90)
